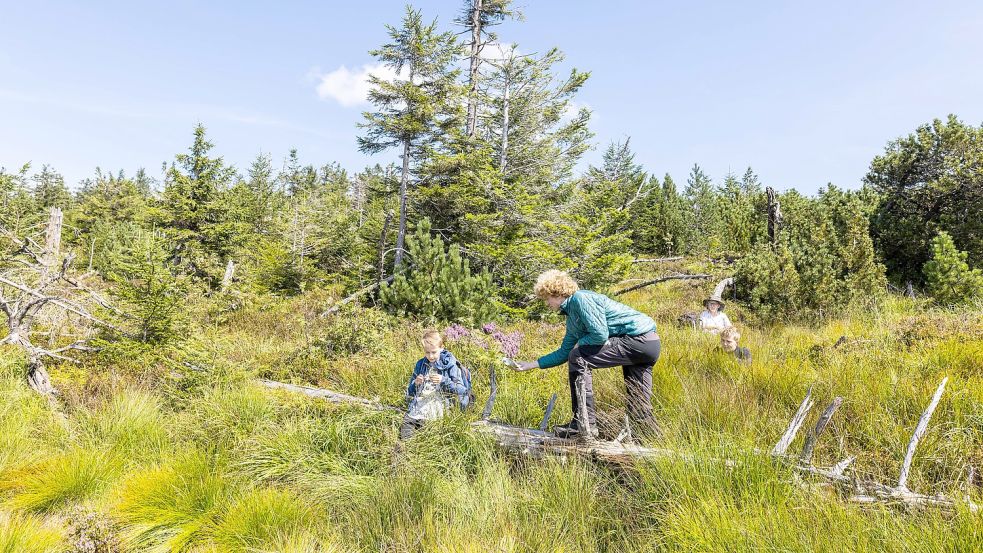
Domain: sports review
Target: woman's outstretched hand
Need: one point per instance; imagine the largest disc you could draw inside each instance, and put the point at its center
(527, 365)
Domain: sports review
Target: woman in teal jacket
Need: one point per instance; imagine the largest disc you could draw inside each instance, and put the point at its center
(600, 333)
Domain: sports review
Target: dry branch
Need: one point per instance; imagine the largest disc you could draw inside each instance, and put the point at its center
(919, 431)
(813, 436)
(360, 292)
(544, 424)
(793, 427)
(662, 279)
(658, 259)
(328, 395)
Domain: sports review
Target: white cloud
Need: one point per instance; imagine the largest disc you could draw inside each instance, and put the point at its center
(350, 87)
(497, 51)
(573, 108)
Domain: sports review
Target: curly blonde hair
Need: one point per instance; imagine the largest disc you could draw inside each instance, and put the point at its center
(554, 283)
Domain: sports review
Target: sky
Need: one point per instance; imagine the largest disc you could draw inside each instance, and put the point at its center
(805, 93)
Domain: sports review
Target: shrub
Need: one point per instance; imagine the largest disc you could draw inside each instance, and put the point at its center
(438, 284)
(353, 330)
(948, 276)
(824, 261)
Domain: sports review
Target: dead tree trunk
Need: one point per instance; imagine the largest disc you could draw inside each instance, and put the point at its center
(382, 246)
(475, 24)
(230, 270)
(403, 185)
(774, 216)
(503, 156)
(38, 278)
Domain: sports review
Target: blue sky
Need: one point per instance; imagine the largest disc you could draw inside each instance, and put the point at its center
(805, 93)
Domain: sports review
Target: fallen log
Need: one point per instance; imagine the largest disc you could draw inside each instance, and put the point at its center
(328, 395)
(662, 279)
(658, 259)
(350, 298)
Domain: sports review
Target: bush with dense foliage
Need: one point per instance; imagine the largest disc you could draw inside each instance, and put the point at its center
(438, 285)
(948, 277)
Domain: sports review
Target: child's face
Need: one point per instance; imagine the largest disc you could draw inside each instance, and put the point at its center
(432, 351)
(728, 343)
(713, 307)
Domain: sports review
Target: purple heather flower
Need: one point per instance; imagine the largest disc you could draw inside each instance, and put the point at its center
(456, 332)
(490, 328)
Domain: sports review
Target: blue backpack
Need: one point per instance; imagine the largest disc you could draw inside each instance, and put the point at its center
(466, 379)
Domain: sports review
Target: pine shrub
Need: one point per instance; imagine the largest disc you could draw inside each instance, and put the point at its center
(438, 284)
(949, 278)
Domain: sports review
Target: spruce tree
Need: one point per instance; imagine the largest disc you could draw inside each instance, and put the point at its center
(191, 208)
(416, 105)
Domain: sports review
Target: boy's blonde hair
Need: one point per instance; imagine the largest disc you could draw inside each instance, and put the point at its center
(730, 333)
(554, 283)
(432, 338)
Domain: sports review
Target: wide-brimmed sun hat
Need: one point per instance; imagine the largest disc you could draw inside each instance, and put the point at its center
(716, 299)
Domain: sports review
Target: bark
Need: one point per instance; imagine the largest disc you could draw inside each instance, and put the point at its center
(503, 158)
(382, 246)
(475, 24)
(403, 182)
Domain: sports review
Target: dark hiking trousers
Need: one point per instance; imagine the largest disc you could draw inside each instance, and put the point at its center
(636, 355)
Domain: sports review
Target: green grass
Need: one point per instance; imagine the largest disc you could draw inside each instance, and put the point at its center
(209, 462)
(20, 533)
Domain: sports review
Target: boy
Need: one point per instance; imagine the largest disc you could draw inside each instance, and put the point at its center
(728, 342)
(436, 378)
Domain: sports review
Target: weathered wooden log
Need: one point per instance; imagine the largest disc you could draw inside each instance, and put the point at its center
(662, 279)
(538, 444)
(793, 427)
(328, 395)
(352, 297)
(658, 259)
(919, 431)
(810, 443)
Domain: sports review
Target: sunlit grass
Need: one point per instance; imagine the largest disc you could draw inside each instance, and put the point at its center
(228, 466)
(21, 533)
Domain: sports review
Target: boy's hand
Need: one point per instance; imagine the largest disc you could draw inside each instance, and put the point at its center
(419, 380)
(436, 378)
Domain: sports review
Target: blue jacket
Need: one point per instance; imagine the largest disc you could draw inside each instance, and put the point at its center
(451, 380)
(591, 319)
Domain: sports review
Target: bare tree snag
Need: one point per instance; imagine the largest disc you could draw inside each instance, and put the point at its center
(919, 432)
(793, 427)
(475, 23)
(36, 277)
(813, 436)
(230, 270)
(382, 246)
(774, 216)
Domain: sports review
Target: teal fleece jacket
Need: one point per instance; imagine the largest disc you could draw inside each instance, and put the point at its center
(591, 319)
